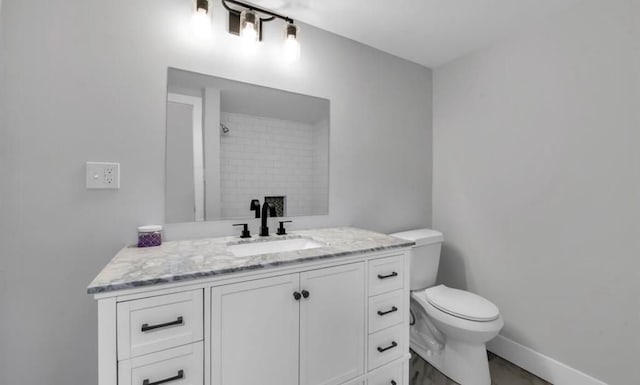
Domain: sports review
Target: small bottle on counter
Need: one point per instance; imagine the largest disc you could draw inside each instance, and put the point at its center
(149, 236)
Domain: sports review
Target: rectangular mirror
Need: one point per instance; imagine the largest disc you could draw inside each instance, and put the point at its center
(229, 143)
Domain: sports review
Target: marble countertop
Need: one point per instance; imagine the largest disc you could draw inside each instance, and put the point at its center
(197, 258)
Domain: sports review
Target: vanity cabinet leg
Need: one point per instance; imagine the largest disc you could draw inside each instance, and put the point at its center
(107, 352)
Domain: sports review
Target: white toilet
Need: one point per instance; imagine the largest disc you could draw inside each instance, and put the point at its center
(449, 326)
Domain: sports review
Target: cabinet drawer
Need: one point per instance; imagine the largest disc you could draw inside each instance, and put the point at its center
(386, 274)
(177, 366)
(385, 310)
(385, 346)
(387, 376)
(152, 324)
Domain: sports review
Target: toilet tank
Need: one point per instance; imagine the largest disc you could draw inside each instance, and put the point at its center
(425, 256)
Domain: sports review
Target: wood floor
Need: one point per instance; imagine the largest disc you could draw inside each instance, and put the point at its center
(502, 373)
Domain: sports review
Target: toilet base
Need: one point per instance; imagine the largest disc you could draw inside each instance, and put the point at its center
(466, 364)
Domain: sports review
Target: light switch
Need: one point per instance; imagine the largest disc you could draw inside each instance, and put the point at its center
(103, 175)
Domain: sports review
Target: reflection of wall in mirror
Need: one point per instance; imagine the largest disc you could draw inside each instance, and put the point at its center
(211, 146)
(183, 191)
(273, 157)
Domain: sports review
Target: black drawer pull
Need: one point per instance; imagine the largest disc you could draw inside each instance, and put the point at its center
(393, 345)
(147, 328)
(393, 382)
(394, 274)
(393, 309)
(179, 376)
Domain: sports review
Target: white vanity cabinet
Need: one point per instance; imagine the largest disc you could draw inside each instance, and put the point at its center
(306, 327)
(255, 331)
(332, 324)
(336, 321)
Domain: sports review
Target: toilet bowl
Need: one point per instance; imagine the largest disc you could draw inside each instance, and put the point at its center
(449, 327)
(461, 353)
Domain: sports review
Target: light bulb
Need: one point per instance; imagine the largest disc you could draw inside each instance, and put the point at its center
(291, 49)
(201, 24)
(291, 43)
(249, 32)
(249, 26)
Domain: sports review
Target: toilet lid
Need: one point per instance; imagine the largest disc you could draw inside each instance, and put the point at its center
(461, 304)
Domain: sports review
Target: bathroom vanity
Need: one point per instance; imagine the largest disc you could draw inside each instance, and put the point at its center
(315, 307)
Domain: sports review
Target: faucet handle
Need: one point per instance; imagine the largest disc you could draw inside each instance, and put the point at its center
(281, 229)
(245, 230)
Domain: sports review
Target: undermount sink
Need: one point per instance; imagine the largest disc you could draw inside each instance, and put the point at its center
(257, 248)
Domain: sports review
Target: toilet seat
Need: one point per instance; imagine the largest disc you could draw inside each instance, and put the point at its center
(450, 325)
(461, 304)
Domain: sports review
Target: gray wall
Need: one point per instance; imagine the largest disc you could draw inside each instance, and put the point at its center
(85, 80)
(537, 184)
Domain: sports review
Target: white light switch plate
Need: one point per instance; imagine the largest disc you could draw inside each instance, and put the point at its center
(103, 175)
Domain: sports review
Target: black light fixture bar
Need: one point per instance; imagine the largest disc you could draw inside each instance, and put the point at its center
(246, 19)
(252, 7)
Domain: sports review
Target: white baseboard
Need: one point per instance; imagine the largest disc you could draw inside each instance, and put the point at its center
(542, 366)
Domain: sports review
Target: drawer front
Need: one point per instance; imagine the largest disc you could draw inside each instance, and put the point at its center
(178, 366)
(385, 346)
(152, 324)
(386, 274)
(385, 310)
(388, 376)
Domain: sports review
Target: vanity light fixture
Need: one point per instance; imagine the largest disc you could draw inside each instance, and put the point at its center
(250, 26)
(291, 43)
(246, 21)
(201, 22)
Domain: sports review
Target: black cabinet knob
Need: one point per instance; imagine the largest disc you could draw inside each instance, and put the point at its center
(305, 294)
(296, 295)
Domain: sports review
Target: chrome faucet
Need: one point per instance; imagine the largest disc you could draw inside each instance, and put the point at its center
(267, 209)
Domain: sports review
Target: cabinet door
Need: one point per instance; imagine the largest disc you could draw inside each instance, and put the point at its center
(332, 324)
(255, 334)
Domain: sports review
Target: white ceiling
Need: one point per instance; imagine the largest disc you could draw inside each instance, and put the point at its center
(428, 32)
